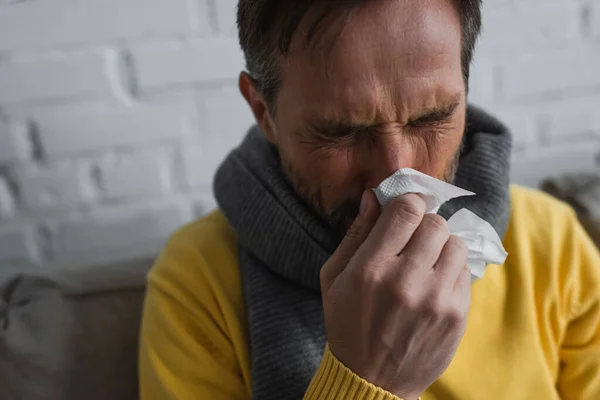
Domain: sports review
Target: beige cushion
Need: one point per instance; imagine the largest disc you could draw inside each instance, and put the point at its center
(71, 333)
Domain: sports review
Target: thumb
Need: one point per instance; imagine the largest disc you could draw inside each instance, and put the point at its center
(356, 235)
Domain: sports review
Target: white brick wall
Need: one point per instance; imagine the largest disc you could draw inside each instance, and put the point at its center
(18, 244)
(117, 230)
(45, 24)
(546, 74)
(566, 159)
(14, 143)
(528, 24)
(226, 14)
(114, 114)
(203, 61)
(149, 170)
(594, 19)
(76, 75)
(56, 185)
(6, 200)
(68, 130)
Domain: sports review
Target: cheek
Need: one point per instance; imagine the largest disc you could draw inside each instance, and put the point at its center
(323, 169)
(330, 175)
(442, 151)
(333, 169)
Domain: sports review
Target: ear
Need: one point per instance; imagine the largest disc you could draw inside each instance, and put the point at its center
(258, 105)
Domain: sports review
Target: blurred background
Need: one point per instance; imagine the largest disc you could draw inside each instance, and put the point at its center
(115, 113)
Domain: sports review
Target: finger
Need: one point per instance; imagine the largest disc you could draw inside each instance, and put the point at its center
(356, 235)
(462, 289)
(396, 225)
(452, 261)
(425, 246)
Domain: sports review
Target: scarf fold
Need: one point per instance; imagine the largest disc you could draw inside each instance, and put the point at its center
(283, 246)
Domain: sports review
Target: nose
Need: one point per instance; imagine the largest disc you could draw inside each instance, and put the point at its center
(387, 154)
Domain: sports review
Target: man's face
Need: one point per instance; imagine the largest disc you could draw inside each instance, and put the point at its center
(379, 91)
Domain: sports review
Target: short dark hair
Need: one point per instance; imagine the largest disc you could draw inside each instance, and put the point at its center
(266, 28)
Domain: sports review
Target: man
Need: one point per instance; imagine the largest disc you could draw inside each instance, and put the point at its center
(301, 286)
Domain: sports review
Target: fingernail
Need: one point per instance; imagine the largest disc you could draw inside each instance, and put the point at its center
(364, 203)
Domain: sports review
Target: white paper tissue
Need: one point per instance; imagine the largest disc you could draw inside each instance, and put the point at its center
(484, 244)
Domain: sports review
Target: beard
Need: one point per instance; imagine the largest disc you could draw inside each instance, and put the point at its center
(341, 215)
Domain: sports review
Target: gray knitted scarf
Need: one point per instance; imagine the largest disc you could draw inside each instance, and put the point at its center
(283, 246)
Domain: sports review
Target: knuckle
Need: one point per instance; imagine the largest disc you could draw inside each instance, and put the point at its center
(457, 245)
(434, 306)
(354, 232)
(455, 316)
(327, 273)
(407, 298)
(409, 264)
(436, 223)
(409, 208)
(370, 276)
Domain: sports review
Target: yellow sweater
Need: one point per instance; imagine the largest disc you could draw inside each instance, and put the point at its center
(533, 331)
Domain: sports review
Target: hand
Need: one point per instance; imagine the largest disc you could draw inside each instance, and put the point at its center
(396, 294)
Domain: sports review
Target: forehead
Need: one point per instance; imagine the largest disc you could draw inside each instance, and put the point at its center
(385, 59)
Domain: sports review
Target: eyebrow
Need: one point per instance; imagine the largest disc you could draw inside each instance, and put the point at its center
(436, 114)
(427, 116)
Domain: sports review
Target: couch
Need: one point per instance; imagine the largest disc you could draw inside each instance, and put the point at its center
(71, 333)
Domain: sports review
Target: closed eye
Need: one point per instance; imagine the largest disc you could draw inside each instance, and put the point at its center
(339, 131)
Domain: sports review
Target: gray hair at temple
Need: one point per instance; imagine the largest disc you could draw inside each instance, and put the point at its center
(266, 29)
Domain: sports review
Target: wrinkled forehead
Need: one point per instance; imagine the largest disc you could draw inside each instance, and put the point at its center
(381, 50)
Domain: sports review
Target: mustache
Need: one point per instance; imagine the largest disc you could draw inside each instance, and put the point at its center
(344, 213)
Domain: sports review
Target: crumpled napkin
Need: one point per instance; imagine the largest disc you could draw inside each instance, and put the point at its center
(484, 244)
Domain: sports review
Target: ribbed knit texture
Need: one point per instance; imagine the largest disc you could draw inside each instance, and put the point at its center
(283, 246)
(333, 380)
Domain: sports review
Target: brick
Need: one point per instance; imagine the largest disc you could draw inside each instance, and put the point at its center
(531, 170)
(227, 115)
(36, 24)
(565, 124)
(7, 204)
(66, 130)
(125, 231)
(55, 185)
(146, 174)
(14, 142)
(521, 124)
(481, 82)
(529, 26)
(200, 17)
(594, 19)
(227, 119)
(18, 244)
(226, 16)
(551, 73)
(204, 60)
(200, 164)
(80, 75)
(564, 119)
